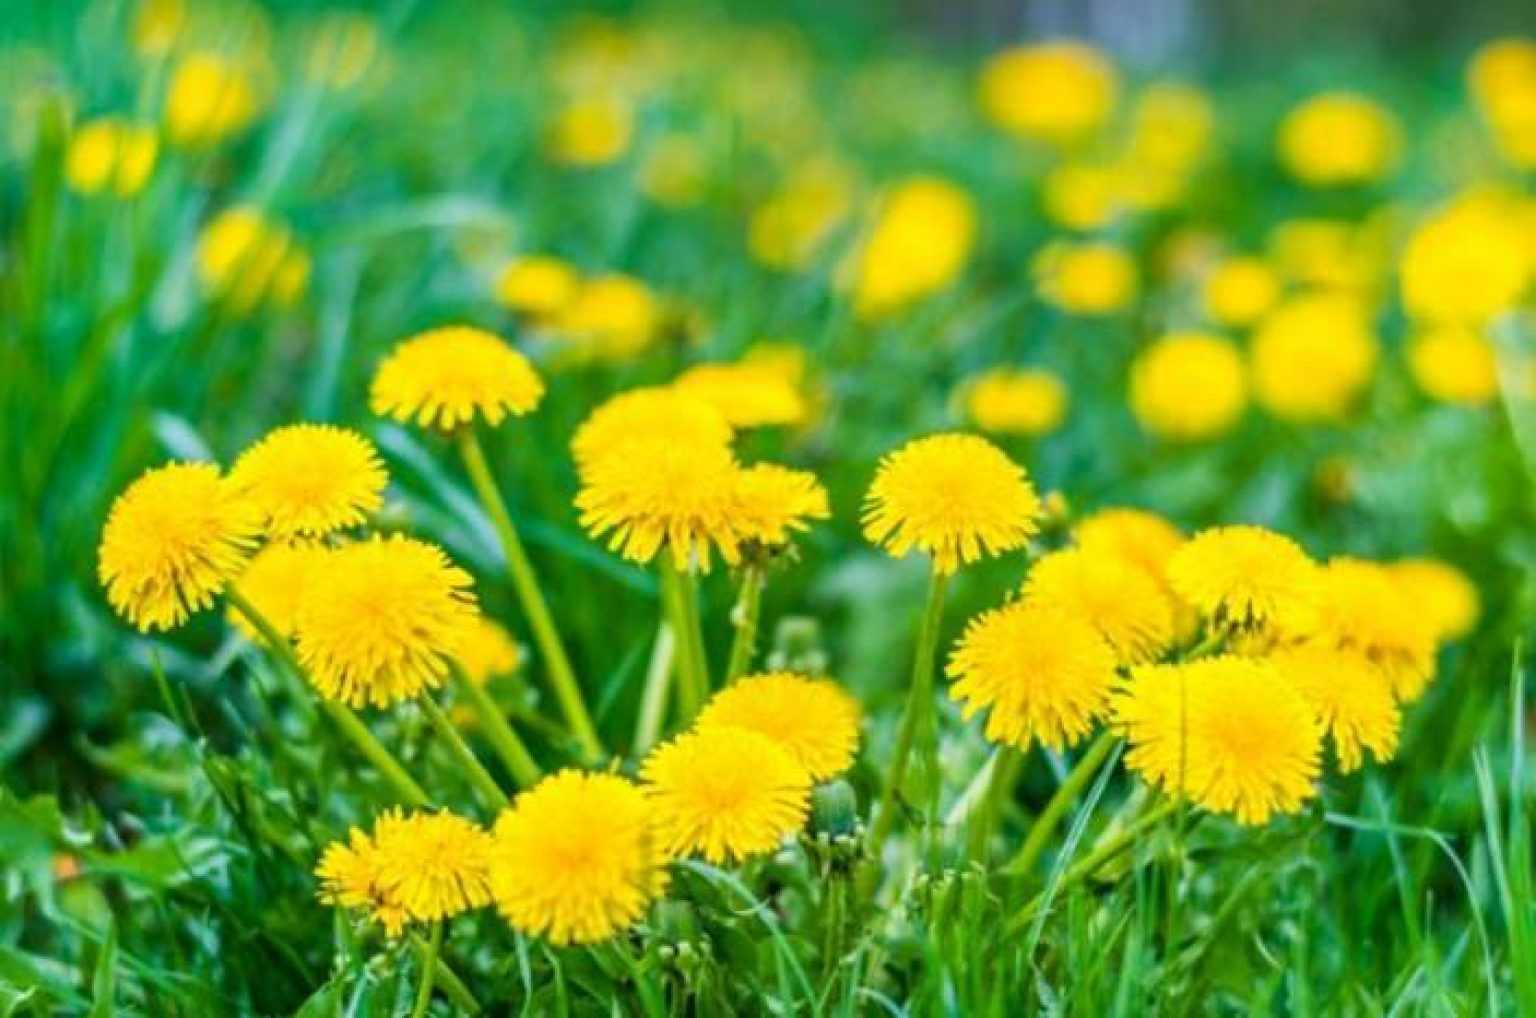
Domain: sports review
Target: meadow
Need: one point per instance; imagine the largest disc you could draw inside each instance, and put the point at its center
(518, 511)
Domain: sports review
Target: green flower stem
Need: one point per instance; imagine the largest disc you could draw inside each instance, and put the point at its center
(562, 678)
(1106, 852)
(982, 821)
(692, 670)
(473, 768)
(658, 687)
(428, 971)
(917, 720)
(341, 716)
(447, 979)
(1046, 823)
(503, 738)
(749, 606)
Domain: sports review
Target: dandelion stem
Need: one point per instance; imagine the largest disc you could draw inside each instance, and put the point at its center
(447, 979)
(749, 604)
(474, 770)
(917, 718)
(692, 674)
(1066, 794)
(341, 716)
(562, 678)
(982, 820)
(653, 698)
(502, 736)
(428, 971)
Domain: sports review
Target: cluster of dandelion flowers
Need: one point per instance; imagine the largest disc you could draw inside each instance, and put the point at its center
(1245, 577)
(419, 867)
(1351, 698)
(173, 539)
(448, 377)
(664, 495)
(1366, 610)
(815, 720)
(651, 414)
(379, 623)
(773, 502)
(274, 584)
(1121, 600)
(724, 793)
(957, 498)
(1229, 732)
(1040, 673)
(308, 480)
(574, 859)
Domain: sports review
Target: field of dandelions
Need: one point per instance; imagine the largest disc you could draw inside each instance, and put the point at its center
(516, 513)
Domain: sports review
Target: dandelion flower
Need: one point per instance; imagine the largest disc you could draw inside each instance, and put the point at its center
(1448, 600)
(1086, 279)
(1229, 732)
(1122, 601)
(1339, 138)
(308, 480)
(955, 497)
(1136, 535)
(575, 860)
(1059, 92)
(1468, 262)
(348, 873)
(378, 624)
(1188, 386)
(725, 793)
(447, 377)
(539, 286)
(1244, 577)
(1313, 356)
(1368, 610)
(1454, 364)
(244, 259)
(1040, 673)
(773, 502)
(1352, 700)
(209, 98)
(274, 583)
(1239, 291)
(111, 154)
(816, 720)
(1025, 401)
(172, 541)
(612, 318)
(487, 650)
(918, 244)
(645, 415)
(746, 395)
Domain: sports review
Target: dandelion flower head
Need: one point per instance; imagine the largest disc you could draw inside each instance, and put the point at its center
(308, 480)
(815, 720)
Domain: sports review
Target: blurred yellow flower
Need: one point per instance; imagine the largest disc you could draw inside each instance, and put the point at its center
(539, 286)
(590, 131)
(245, 259)
(1326, 253)
(1040, 673)
(575, 860)
(1243, 578)
(1188, 386)
(211, 97)
(1313, 355)
(1081, 196)
(379, 623)
(447, 377)
(1468, 262)
(1172, 124)
(792, 224)
(173, 539)
(1502, 80)
(1239, 291)
(918, 244)
(1125, 603)
(487, 650)
(1447, 599)
(1136, 535)
(1016, 401)
(613, 317)
(657, 414)
(815, 720)
(1339, 138)
(111, 154)
(1350, 697)
(1454, 364)
(1367, 608)
(772, 502)
(274, 583)
(308, 480)
(957, 498)
(747, 395)
(1057, 92)
(1086, 279)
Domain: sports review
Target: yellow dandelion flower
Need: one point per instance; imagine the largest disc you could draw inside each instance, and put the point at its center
(613, 318)
(746, 395)
(1239, 291)
(348, 873)
(244, 258)
(1040, 673)
(1086, 279)
(815, 720)
(1188, 386)
(1468, 262)
(1058, 92)
(1367, 609)
(111, 154)
(1448, 600)
(209, 98)
(1122, 601)
(1313, 356)
(487, 650)
(645, 415)
(1352, 700)
(1339, 138)
(539, 286)
(772, 502)
(1454, 364)
(1010, 401)
(1136, 535)
(591, 131)
(1228, 732)
(725, 793)
(274, 583)
(957, 498)
(447, 377)
(308, 480)
(378, 624)
(1245, 578)
(575, 860)
(792, 225)
(918, 244)
(664, 495)
(172, 540)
